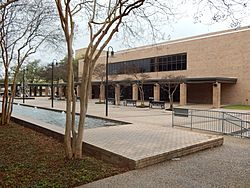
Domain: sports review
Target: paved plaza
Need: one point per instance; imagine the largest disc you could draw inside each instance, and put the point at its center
(152, 132)
(149, 139)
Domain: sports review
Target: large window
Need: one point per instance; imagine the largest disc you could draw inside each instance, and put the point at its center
(155, 64)
(172, 62)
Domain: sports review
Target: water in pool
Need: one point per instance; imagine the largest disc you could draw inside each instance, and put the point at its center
(57, 118)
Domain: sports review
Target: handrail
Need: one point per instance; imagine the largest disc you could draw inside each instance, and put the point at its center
(233, 123)
(228, 113)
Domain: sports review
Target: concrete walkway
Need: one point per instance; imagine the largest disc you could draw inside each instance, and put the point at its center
(227, 166)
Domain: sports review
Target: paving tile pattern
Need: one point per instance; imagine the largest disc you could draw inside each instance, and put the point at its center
(147, 140)
(137, 142)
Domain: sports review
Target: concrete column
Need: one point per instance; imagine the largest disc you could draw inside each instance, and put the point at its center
(46, 91)
(102, 92)
(30, 91)
(135, 92)
(60, 92)
(183, 94)
(65, 91)
(78, 90)
(216, 95)
(35, 91)
(157, 91)
(41, 91)
(117, 94)
(56, 90)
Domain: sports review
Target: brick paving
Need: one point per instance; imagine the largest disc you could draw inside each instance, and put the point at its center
(138, 142)
(148, 140)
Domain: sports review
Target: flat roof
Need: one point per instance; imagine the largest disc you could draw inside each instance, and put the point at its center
(199, 80)
(186, 39)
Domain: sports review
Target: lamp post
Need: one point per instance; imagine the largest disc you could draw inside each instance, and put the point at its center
(52, 82)
(25, 69)
(107, 69)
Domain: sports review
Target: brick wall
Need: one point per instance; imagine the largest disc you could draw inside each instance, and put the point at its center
(220, 54)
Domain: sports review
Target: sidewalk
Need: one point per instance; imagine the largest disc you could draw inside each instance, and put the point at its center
(225, 166)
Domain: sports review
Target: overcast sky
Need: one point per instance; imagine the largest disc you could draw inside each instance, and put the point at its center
(183, 26)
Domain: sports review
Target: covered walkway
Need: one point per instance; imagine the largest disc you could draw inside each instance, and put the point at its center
(191, 90)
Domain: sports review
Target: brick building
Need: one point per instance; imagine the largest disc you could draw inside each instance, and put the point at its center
(216, 67)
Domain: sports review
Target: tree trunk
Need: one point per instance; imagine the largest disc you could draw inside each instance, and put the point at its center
(84, 91)
(100, 100)
(68, 126)
(11, 100)
(7, 103)
(171, 102)
(79, 140)
(141, 95)
(73, 114)
(142, 98)
(5, 100)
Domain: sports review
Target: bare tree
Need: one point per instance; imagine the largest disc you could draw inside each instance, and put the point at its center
(104, 18)
(138, 77)
(22, 32)
(113, 84)
(220, 10)
(99, 73)
(6, 3)
(170, 84)
(66, 13)
(127, 82)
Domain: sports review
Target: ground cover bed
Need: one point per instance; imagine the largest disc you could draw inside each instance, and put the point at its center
(238, 107)
(31, 159)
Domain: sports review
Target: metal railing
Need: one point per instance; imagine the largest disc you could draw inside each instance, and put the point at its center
(231, 123)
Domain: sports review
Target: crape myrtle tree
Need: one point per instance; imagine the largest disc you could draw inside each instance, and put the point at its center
(112, 84)
(103, 18)
(125, 84)
(137, 76)
(170, 83)
(66, 10)
(25, 26)
(100, 73)
(4, 3)
(233, 11)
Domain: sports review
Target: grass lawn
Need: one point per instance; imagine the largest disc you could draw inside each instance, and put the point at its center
(31, 159)
(238, 107)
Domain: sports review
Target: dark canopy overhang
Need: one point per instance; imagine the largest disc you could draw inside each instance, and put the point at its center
(188, 80)
(230, 80)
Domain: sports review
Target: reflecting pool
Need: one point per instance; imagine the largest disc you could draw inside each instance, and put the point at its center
(58, 118)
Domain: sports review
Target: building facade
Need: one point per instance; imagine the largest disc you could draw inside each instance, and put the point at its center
(215, 66)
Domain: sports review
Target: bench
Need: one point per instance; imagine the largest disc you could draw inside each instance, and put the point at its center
(130, 101)
(157, 103)
(181, 112)
(111, 101)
